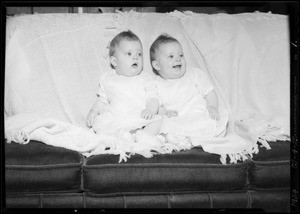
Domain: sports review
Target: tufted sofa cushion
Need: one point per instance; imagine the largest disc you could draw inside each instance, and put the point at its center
(36, 167)
(38, 175)
(190, 170)
(272, 200)
(271, 168)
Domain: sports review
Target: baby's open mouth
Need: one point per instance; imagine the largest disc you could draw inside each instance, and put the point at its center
(177, 66)
(134, 65)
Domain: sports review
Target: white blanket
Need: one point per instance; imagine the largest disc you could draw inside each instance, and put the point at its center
(22, 128)
(53, 62)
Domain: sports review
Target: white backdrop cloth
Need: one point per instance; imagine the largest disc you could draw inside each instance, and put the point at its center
(54, 61)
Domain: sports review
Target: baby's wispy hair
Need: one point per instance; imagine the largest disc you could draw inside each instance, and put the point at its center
(160, 40)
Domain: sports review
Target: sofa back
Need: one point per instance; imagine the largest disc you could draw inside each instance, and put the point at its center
(53, 61)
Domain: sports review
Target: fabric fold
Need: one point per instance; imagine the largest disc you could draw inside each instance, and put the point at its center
(246, 57)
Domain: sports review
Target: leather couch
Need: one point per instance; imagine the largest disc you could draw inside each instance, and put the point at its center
(43, 176)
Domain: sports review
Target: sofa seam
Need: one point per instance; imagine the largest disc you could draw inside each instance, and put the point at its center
(12, 167)
(269, 189)
(38, 194)
(248, 184)
(138, 193)
(169, 206)
(210, 200)
(162, 193)
(83, 163)
(84, 199)
(41, 200)
(255, 187)
(124, 202)
(168, 165)
(249, 199)
(44, 192)
(173, 190)
(249, 167)
(266, 163)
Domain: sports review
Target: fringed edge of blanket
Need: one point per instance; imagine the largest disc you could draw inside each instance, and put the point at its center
(269, 136)
(22, 137)
(147, 151)
(17, 136)
(243, 155)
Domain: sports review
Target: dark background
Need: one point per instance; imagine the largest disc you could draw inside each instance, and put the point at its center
(280, 7)
(234, 7)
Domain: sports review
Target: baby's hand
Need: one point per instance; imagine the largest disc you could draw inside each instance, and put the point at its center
(171, 113)
(147, 114)
(213, 113)
(90, 118)
(162, 110)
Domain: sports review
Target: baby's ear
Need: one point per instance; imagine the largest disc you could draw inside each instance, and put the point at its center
(155, 65)
(113, 61)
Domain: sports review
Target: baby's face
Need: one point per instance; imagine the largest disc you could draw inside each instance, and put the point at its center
(170, 61)
(128, 58)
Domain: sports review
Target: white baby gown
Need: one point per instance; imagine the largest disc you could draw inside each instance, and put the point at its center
(127, 99)
(186, 96)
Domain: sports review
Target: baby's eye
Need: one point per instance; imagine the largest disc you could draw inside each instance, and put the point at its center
(181, 55)
(128, 54)
(140, 54)
(171, 56)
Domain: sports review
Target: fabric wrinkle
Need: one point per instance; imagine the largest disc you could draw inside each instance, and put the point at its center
(57, 77)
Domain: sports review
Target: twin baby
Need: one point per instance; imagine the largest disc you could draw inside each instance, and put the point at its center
(180, 102)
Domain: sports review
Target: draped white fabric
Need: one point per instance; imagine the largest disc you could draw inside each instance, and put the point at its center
(248, 55)
(53, 63)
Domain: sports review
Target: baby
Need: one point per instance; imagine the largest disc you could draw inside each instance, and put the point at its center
(127, 98)
(188, 97)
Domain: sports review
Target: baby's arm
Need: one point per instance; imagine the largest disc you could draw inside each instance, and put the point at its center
(152, 107)
(212, 105)
(95, 110)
